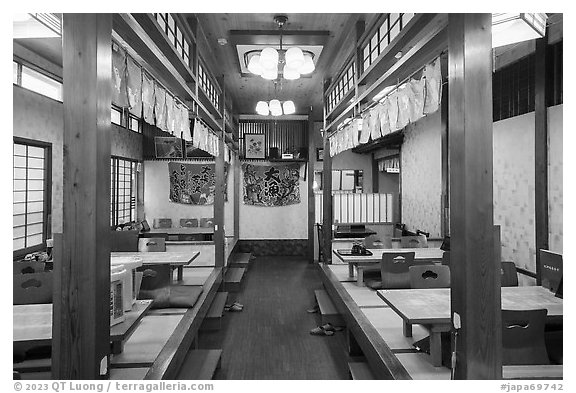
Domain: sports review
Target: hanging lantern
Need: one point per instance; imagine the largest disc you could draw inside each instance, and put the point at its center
(270, 74)
(262, 108)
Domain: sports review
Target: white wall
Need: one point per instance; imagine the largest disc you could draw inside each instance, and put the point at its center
(514, 186)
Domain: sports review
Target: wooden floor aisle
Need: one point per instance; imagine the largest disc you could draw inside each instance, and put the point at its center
(270, 338)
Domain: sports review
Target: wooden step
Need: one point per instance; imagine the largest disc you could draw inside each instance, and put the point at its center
(242, 259)
(200, 364)
(419, 367)
(328, 311)
(195, 275)
(143, 347)
(128, 373)
(213, 319)
(544, 371)
(360, 371)
(233, 279)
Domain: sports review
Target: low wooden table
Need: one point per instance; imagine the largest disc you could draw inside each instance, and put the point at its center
(431, 307)
(32, 325)
(362, 261)
(177, 259)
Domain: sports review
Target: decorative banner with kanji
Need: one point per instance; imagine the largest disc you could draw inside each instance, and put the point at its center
(193, 184)
(271, 185)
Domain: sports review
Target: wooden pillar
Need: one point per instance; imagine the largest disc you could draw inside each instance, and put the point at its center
(540, 154)
(219, 235)
(475, 288)
(375, 176)
(327, 201)
(310, 175)
(81, 325)
(237, 196)
(445, 202)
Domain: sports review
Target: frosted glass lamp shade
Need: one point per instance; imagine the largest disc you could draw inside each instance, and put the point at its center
(290, 73)
(269, 59)
(270, 74)
(276, 112)
(308, 65)
(275, 105)
(294, 58)
(254, 65)
(289, 107)
(262, 108)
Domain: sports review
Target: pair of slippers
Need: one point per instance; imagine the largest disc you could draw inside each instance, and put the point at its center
(325, 330)
(235, 307)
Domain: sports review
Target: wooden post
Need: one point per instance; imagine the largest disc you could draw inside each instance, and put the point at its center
(326, 190)
(310, 175)
(540, 154)
(475, 288)
(237, 196)
(219, 232)
(81, 325)
(445, 202)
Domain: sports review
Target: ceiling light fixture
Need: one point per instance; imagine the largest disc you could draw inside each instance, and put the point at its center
(269, 62)
(275, 107)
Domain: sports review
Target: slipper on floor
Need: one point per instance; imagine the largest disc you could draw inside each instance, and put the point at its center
(238, 304)
(331, 328)
(234, 308)
(313, 310)
(319, 331)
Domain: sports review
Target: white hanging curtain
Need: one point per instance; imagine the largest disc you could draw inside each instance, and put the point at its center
(383, 117)
(433, 77)
(393, 111)
(119, 89)
(365, 134)
(134, 82)
(148, 98)
(170, 114)
(403, 95)
(375, 123)
(160, 107)
(417, 99)
(185, 123)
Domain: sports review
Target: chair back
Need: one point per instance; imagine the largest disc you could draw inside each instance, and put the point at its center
(445, 246)
(33, 288)
(373, 241)
(206, 222)
(188, 223)
(523, 340)
(27, 267)
(162, 223)
(446, 258)
(508, 274)
(419, 232)
(152, 244)
(429, 276)
(418, 241)
(155, 276)
(394, 269)
(551, 269)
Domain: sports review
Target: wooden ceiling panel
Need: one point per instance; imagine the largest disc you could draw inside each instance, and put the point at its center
(246, 91)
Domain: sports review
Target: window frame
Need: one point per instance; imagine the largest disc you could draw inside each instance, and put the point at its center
(114, 194)
(32, 67)
(47, 190)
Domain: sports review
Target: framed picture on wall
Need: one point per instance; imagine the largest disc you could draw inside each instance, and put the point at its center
(254, 146)
(319, 154)
(168, 147)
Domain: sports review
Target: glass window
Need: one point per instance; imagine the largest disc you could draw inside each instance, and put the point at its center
(30, 196)
(123, 191)
(134, 124)
(406, 18)
(40, 83)
(15, 72)
(116, 116)
(161, 18)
